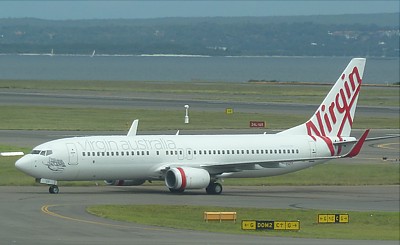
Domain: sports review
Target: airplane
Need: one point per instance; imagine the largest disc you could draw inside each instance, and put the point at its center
(186, 162)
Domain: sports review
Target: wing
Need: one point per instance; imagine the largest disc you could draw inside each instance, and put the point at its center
(216, 169)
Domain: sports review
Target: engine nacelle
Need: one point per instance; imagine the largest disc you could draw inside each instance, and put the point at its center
(125, 182)
(182, 178)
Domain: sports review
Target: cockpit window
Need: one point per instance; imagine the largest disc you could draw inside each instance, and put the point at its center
(43, 153)
(35, 152)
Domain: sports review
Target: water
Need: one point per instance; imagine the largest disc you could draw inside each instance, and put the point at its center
(178, 68)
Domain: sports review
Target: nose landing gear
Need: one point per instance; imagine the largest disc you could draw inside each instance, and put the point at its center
(53, 189)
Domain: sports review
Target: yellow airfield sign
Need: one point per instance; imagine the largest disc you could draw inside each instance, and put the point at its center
(270, 225)
(333, 218)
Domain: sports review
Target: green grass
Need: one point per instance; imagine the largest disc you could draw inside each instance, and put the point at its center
(342, 173)
(80, 118)
(262, 92)
(86, 119)
(363, 225)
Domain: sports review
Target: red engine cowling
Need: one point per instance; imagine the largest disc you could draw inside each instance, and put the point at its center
(182, 178)
(125, 182)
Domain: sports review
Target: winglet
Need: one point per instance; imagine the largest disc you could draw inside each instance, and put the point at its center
(11, 154)
(133, 129)
(357, 147)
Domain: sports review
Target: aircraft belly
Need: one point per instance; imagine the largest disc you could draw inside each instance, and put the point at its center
(114, 171)
(266, 172)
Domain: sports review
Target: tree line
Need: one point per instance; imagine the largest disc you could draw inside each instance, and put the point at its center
(344, 35)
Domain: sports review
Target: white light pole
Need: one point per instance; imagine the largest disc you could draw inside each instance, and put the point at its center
(187, 114)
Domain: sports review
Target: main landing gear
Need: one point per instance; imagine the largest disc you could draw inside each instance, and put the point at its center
(214, 189)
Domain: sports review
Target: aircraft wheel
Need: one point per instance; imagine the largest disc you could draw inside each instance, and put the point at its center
(53, 189)
(214, 188)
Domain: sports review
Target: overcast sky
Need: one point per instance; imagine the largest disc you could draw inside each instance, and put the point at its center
(60, 10)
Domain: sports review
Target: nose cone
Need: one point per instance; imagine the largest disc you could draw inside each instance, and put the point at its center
(24, 164)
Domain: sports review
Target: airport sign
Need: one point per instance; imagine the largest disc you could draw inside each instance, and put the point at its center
(333, 218)
(270, 225)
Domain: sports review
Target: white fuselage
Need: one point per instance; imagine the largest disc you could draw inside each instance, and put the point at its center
(145, 157)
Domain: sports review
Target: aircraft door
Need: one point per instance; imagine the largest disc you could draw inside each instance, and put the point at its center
(313, 148)
(72, 154)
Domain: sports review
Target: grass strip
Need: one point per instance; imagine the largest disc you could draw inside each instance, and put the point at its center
(87, 119)
(370, 225)
(261, 92)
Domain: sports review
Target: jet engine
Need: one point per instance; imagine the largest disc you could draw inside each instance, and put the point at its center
(181, 178)
(125, 182)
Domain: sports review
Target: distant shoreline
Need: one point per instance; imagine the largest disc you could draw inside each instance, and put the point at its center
(187, 56)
